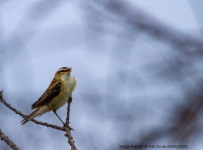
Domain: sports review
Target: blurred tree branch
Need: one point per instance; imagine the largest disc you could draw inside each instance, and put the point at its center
(142, 21)
(153, 27)
(65, 128)
(185, 122)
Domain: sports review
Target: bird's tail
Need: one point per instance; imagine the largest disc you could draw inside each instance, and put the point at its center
(37, 112)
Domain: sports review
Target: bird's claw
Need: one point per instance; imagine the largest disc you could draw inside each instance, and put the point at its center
(65, 125)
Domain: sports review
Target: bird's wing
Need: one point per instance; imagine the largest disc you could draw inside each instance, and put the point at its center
(52, 91)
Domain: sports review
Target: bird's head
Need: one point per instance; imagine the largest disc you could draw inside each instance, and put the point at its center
(63, 72)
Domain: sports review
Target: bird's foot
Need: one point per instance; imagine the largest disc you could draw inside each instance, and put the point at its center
(65, 125)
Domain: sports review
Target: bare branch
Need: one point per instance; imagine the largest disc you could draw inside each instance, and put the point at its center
(33, 120)
(68, 128)
(8, 141)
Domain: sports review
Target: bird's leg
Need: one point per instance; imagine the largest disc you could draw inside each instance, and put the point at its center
(61, 120)
(58, 116)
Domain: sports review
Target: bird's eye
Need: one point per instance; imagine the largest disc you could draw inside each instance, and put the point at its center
(62, 70)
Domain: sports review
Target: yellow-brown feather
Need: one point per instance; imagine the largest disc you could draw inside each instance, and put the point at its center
(63, 96)
(56, 95)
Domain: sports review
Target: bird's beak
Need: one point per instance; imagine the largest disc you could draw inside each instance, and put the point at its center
(69, 70)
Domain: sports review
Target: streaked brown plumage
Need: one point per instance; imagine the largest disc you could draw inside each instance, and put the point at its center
(56, 95)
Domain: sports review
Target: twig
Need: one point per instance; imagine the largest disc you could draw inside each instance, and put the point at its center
(21, 114)
(68, 110)
(8, 141)
(68, 128)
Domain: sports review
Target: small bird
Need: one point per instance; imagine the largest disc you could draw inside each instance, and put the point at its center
(56, 95)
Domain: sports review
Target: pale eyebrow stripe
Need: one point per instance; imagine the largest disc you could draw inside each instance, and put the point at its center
(64, 68)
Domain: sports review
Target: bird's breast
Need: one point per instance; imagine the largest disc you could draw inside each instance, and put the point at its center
(70, 85)
(66, 90)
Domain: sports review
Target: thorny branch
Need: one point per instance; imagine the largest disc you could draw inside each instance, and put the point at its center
(8, 141)
(65, 128)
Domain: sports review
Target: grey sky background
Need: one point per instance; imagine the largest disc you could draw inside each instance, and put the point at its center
(126, 83)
